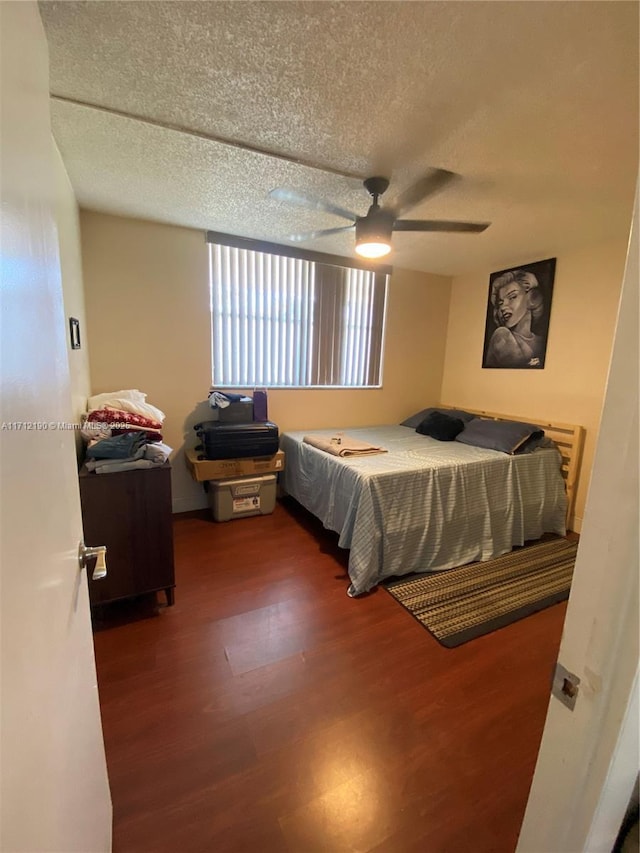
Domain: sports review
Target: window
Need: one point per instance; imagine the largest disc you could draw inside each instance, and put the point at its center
(293, 321)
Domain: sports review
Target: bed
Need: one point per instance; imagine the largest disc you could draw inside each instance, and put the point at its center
(429, 505)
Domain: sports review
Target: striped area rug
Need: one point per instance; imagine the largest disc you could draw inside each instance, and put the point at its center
(461, 604)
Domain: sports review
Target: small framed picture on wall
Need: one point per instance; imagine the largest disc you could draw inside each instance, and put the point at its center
(518, 311)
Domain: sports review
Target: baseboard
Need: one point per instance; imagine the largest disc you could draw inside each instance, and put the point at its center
(189, 503)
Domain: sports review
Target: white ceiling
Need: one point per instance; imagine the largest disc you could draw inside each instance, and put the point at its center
(533, 104)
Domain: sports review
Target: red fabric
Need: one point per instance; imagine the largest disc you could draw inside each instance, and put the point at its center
(114, 416)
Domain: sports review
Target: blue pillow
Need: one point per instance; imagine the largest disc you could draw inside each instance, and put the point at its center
(416, 419)
(506, 436)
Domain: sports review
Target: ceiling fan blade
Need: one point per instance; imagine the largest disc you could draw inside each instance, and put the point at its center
(431, 183)
(310, 202)
(311, 235)
(440, 225)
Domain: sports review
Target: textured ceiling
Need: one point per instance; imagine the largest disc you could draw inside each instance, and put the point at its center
(533, 104)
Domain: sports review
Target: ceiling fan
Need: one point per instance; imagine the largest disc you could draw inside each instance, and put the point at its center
(373, 231)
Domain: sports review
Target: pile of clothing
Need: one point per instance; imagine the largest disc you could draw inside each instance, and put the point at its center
(253, 408)
(220, 400)
(123, 433)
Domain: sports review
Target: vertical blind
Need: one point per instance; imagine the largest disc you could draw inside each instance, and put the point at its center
(290, 322)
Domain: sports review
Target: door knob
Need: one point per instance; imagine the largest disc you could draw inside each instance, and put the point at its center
(90, 552)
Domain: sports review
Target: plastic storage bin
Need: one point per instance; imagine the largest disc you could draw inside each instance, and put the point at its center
(243, 497)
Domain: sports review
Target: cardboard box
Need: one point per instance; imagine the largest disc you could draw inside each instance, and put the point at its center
(223, 469)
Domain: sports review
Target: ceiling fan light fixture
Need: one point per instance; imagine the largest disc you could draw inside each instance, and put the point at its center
(373, 231)
(373, 250)
(373, 236)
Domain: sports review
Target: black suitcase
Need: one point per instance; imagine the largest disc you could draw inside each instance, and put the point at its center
(236, 441)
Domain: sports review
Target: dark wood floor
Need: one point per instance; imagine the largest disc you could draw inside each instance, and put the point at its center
(267, 711)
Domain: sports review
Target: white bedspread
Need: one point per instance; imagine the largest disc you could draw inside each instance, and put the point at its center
(426, 505)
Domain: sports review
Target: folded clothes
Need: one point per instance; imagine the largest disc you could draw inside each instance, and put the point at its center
(157, 452)
(149, 435)
(117, 446)
(93, 463)
(120, 418)
(131, 400)
(91, 431)
(340, 444)
(114, 467)
(132, 394)
(218, 400)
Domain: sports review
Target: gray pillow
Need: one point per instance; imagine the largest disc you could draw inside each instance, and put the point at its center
(417, 419)
(536, 441)
(506, 436)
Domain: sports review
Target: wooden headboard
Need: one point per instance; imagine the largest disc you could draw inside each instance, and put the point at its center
(569, 439)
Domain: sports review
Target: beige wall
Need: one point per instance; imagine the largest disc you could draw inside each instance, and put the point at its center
(147, 304)
(416, 321)
(147, 300)
(68, 226)
(571, 386)
(148, 318)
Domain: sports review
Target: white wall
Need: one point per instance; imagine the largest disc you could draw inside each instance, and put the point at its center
(68, 227)
(588, 759)
(54, 793)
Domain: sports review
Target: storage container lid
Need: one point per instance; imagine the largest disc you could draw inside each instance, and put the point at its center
(261, 479)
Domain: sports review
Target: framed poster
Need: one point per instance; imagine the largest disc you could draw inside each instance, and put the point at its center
(518, 309)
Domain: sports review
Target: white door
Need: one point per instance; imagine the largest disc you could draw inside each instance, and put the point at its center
(55, 793)
(588, 760)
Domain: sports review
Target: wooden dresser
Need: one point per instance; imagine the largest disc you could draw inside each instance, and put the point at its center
(130, 513)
